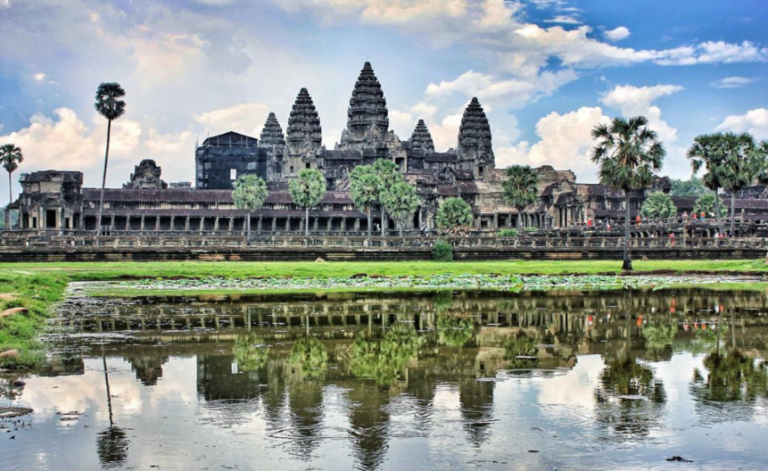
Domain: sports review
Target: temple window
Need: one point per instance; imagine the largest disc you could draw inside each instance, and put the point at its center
(233, 174)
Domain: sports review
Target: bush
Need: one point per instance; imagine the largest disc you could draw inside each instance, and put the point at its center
(659, 206)
(531, 229)
(508, 233)
(442, 251)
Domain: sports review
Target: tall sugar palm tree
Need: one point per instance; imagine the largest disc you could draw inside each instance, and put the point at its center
(307, 190)
(520, 189)
(110, 106)
(389, 176)
(250, 194)
(401, 202)
(743, 163)
(10, 158)
(707, 152)
(364, 189)
(629, 155)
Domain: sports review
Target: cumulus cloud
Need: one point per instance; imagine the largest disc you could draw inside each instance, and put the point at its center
(247, 118)
(617, 34)
(512, 92)
(564, 142)
(754, 122)
(732, 82)
(634, 101)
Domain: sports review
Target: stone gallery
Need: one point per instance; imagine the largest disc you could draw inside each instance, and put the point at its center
(57, 200)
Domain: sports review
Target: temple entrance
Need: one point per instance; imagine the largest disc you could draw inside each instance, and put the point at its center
(50, 219)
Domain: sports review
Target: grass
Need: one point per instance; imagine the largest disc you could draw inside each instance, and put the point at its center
(36, 286)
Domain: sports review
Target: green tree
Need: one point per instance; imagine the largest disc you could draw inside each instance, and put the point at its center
(521, 189)
(708, 204)
(692, 188)
(307, 190)
(629, 155)
(109, 105)
(659, 206)
(249, 352)
(707, 152)
(401, 202)
(389, 175)
(364, 189)
(310, 355)
(249, 195)
(454, 215)
(742, 165)
(10, 158)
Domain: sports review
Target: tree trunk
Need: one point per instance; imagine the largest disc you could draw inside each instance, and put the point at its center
(383, 215)
(103, 180)
(248, 229)
(717, 213)
(7, 210)
(369, 222)
(733, 212)
(106, 382)
(627, 265)
(306, 221)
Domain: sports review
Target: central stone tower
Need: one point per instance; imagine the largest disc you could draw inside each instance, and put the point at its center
(368, 118)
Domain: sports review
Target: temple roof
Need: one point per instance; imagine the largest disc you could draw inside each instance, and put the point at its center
(421, 138)
(272, 133)
(304, 122)
(66, 176)
(367, 107)
(230, 139)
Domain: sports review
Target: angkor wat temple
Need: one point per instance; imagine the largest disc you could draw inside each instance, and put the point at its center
(57, 200)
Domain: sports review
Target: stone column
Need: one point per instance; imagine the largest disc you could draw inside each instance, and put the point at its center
(274, 223)
(231, 224)
(142, 223)
(173, 223)
(357, 224)
(496, 220)
(186, 223)
(316, 223)
(202, 224)
(260, 224)
(330, 223)
(216, 224)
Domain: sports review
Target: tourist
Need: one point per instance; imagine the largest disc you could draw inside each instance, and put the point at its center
(703, 216)
(638, 220)
(693, 217)
(685, 216)
(589, 223)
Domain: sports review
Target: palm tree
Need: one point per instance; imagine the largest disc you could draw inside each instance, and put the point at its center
(110, 106)
(307, 190)
(520, 189)
(742, 164)
(10, 158)
(388, 175)
(707, 152)
(364, 189)
(629, 154)
(112, 443)
(401, 202)
(454, 215)
(250, 193)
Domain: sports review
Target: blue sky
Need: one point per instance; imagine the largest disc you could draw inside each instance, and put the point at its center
(546, 71)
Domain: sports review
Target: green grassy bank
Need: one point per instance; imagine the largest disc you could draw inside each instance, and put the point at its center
(37, 286)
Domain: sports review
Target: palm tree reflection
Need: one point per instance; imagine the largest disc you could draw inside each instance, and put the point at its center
(112, 443)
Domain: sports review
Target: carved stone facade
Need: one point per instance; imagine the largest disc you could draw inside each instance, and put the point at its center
(146, 176)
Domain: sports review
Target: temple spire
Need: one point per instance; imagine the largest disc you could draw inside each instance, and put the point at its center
(272, 133)
(304, 124)
(421, 138)
(475, 144)
(367, 107)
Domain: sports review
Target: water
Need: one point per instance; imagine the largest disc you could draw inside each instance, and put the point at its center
(558, 380)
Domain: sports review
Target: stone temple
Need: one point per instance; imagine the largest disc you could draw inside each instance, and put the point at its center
(57, 200)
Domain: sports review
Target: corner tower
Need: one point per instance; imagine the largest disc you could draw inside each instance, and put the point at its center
(304, 136)
(272, 141)
(475, 146)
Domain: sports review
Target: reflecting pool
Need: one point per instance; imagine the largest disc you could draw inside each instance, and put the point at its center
(621, 379)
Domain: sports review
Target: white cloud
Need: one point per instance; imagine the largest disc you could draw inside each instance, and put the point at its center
(732, 82)
(5, 3)
(564, 19)
(511, 92)
(247, 118)
(754, 122)
(617, 34)
(564, 142)
(635, 101)
(39, 77)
